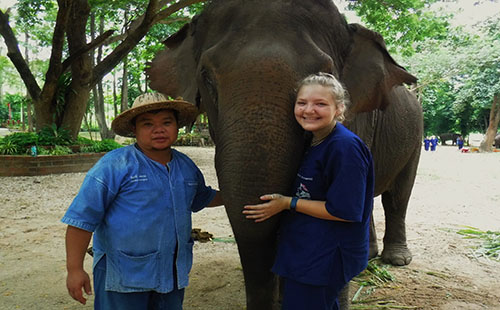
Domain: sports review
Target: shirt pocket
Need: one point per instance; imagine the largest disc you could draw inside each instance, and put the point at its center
(139, 271)
(191, 188)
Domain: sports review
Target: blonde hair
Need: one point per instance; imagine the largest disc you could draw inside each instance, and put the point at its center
(339, 93)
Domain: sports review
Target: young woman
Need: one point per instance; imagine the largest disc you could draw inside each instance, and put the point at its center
(324, 236)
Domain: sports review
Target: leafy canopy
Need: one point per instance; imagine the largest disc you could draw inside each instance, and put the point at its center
(458, 78)
(402, 22)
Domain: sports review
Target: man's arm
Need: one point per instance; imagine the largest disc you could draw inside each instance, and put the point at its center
(217, 201)
(77, 241)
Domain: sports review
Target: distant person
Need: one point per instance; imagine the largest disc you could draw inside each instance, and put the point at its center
(427, 143)
(137, 202)
(460, 142)
(434, 143)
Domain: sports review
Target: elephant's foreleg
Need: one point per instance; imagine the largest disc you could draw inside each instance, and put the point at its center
(373, 251)
(395, 202)
(261, 285)
(344, 298)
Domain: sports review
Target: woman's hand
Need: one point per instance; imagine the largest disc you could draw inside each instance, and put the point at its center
(274, 205)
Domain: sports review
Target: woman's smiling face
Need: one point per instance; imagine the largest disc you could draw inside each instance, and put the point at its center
(315, 108)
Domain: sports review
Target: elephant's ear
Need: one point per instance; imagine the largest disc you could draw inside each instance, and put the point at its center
(173, 70)
(369, 72)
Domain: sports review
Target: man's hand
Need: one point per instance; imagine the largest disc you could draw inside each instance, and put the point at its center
(77, 280)
(77, 242)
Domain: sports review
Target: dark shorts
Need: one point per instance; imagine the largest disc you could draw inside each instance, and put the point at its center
(106, 300)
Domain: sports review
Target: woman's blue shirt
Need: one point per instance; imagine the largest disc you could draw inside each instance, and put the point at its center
(315, 251)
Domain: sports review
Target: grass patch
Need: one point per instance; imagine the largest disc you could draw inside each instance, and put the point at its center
(490, 246)
(376, 275)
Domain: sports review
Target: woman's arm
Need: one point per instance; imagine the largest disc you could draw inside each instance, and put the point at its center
(277, 203)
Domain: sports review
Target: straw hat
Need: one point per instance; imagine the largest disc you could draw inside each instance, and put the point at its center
(122, 124)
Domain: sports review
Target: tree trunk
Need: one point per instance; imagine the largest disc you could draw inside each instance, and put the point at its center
(115, 106)
(124, 89)
(28, 97)
(98, 90)
(77, 96)
(487, 144)
(124, 101)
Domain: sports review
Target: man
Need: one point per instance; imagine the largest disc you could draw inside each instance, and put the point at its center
(137, 202)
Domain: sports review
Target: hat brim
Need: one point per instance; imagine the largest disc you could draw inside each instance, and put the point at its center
(187, 112)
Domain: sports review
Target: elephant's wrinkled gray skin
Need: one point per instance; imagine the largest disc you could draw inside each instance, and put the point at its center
(240, 61)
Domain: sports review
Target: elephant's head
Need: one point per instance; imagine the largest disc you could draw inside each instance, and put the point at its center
(240, 61)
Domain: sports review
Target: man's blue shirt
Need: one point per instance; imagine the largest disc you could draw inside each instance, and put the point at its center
(140, 211)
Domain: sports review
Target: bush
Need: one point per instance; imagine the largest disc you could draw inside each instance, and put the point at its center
(21, 140)
(105, 145)
(51, 135)
(8, 148)
(52, 142)
(56, 150)
(83, 141)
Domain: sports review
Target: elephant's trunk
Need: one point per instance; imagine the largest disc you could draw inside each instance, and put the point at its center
(259, 144)
(258, 149)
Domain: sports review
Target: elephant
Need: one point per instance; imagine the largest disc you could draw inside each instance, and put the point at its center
(240, 61)
(449, 136)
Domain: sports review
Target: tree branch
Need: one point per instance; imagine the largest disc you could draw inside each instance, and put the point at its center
(101, 39)
(55, 65)
(174, 20)
(126, 46)
(17, 58)
(124, 35)
(174, 8)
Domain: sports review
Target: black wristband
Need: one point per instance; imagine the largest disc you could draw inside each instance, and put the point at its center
(293, 204)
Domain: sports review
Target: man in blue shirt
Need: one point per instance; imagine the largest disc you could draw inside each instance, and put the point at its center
(137, 203)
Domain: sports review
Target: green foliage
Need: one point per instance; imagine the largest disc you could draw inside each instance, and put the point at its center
(402, 22)
(16, 102)
(20, 141)
(490, 246)
(83, 141)
(56, 150)
(4, 112)
(63, 87)
(52, 141)
(375, 275)
(37, 18)
(9, 75)
(105, 145)
(8, 147)
(51, 135)
(458, 78)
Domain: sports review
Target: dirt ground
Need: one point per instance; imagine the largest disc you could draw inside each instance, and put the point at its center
(452, 190)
